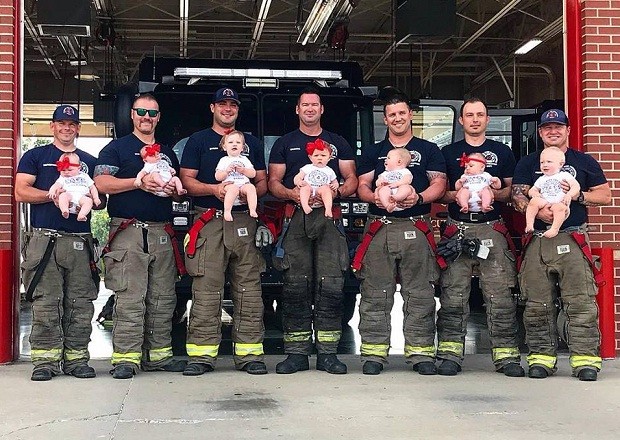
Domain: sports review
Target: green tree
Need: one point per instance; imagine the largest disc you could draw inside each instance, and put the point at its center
(99, 223)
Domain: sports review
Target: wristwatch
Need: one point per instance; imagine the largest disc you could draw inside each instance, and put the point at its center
(420, 199)
(581, 199)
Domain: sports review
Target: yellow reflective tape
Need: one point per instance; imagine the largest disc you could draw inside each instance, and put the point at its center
(328, 336)
(577, 361)
(73, 355)
(53, 354)
(455, 348)
(297, 336)
(159, 354)
(374, 350)
(249, 349)
(542, 359)
(411, 350)
(202, 350)
(134, 358)
(504, 353)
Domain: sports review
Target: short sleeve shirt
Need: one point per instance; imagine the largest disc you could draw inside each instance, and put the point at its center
(581, 166)
(122, 158)
(500, 163)
(202, 153)
(550, 187)
(41, 162)
(290, 150)
(425, 157)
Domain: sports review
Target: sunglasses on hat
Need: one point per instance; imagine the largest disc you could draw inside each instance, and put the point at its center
(142, 112)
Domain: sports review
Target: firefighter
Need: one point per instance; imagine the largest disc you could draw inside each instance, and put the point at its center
(57, 253)
(218, 247)
(563, 262)
(140, 259)
(497, 270)
(313, 252)
(402, 246)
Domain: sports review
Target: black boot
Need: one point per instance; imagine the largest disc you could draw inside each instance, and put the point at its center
(372, 368)
(330, 363)
(292, 364)
(588, 375)
(538, 372)
(448, 368)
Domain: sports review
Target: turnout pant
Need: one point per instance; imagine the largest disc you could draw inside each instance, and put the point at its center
(226, 249)
(62, 310)
(551, 261)
(398, 250)
(141, 270)
(497, 274)
(316, 257)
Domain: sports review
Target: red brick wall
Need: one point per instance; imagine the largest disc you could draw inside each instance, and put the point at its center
(8, 134)
(601, 92)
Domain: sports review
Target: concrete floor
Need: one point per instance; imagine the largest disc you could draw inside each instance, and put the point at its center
(227, 404)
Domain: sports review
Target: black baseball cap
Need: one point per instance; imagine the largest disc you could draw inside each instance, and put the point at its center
(66, 113)
(225, 93)
(554, 116)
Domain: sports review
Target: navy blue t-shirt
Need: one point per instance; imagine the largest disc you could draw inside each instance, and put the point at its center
(581, 166)
(425, 156)
(500, 163)
(290, 150)
(202, 152)
(122, 157)
(41, 162)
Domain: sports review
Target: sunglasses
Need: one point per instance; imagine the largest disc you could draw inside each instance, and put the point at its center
(142, 112)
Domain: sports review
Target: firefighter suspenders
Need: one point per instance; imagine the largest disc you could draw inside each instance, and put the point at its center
(168, 229)
(377, 224)
(580, 239)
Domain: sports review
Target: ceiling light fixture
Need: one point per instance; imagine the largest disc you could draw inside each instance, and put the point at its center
(528, 46)
(318, 18)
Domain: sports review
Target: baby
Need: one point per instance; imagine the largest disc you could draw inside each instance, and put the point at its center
(237, 169)
(547, 191)
(73, 188)
(473, 189)
(157, 167)
(317, 178)
(394, 184)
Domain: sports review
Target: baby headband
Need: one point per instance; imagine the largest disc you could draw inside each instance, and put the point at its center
(317, 144)
(65, 164)
(152, 150)
(466, 159)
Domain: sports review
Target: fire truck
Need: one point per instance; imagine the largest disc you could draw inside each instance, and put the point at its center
(268, 92)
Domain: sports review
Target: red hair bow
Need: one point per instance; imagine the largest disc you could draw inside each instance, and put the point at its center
(317, 144)
(65, 164)
(464, 160)
(152, 150)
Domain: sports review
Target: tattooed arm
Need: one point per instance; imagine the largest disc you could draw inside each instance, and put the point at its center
(520, 198)
(520, 201)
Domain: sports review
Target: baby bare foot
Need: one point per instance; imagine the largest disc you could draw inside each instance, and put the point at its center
(465, 209)
(529, 228)
(550, 233)
(228, 216)
(486, 208)
(253, 214)
(328, 214)
(307, 210)
(81, 218)
(65, 214)
(182, 192)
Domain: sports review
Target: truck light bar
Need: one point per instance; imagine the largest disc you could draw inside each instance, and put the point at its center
(214, 72)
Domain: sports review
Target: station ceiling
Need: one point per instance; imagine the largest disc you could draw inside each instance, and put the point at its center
(486, 34)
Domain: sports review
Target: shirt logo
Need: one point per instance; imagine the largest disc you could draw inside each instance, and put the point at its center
(416, 158)
(491, 158)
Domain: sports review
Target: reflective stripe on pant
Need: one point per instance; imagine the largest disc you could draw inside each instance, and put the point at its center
(63, 301)
(143, 281)
(398, 249)
(226, 248)
(314, 262)
(548, 261)
(497, 275)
